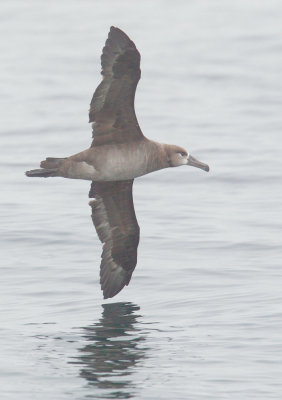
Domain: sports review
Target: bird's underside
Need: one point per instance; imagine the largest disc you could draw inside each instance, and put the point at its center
(119, 152)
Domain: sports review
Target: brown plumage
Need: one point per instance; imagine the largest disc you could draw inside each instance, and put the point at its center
(112, 105)
(114, 218)
(119, 153)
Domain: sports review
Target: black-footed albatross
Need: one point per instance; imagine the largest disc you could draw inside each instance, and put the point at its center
(119, 153)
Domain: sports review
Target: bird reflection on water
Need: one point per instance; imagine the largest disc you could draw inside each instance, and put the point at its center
(113, 351)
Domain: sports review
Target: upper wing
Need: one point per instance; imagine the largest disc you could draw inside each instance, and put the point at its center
(112, 105)
(114, 218)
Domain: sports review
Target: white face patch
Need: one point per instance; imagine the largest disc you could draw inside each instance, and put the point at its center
(184, 155)
(183, 158)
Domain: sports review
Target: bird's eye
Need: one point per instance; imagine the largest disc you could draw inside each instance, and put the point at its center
(182, 153)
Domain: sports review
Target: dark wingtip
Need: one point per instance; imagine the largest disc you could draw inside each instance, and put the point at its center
(118, 34)
(109, 292)
(41, 173)
(115, 28)
(29, 173)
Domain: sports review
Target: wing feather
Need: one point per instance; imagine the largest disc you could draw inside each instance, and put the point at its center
(112, 107)
(114, 218)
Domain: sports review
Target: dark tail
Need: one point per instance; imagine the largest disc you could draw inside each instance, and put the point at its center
(45, 173)
(49, 166)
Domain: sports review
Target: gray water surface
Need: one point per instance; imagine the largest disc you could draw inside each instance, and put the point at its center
(202, 316)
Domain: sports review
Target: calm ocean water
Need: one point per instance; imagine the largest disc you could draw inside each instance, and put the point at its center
(202, 317)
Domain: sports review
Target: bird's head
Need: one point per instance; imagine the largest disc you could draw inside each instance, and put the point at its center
(178, 156)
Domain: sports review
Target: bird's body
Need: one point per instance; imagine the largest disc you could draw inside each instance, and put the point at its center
(114, 163)
(119, 153)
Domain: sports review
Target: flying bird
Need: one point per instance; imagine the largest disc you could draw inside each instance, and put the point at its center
(118, 154)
